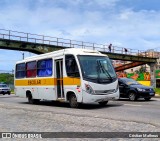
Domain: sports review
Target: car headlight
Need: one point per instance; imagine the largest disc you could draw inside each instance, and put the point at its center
(117, 88)
(89, 89)
(141, 90)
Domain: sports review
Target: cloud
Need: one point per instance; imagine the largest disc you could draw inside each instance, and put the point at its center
(96, 21)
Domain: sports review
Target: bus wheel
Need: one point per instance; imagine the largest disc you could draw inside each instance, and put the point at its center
(32, 101)
(73, 101)
(103, 103)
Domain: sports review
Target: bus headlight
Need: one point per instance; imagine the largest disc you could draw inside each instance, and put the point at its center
(89, 89)
(117, 88)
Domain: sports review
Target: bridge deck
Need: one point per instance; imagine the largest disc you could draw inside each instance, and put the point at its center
(39, 44)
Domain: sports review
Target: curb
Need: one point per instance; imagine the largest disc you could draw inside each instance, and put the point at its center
(157, 96)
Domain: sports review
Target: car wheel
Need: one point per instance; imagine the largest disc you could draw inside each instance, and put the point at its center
(103, 103)
(73, 101)
(148, 98)
(132, 96)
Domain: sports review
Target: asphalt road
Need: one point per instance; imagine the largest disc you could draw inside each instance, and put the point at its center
(118, 116)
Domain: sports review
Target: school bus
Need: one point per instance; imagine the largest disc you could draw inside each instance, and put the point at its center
(70, 75)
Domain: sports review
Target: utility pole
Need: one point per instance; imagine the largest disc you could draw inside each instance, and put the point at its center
(23, 55)
(12, 71)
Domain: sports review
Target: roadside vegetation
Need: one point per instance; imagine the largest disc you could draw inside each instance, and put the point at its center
(8, 79)
(157, 90)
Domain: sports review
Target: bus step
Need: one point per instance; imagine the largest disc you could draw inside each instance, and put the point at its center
(61, 99)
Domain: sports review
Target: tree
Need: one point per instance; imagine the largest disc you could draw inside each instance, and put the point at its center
(6, 78)
(142, 69)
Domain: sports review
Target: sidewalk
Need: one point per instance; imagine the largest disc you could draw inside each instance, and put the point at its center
(157, 95)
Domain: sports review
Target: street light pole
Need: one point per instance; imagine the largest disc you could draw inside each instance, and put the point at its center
(23, 55)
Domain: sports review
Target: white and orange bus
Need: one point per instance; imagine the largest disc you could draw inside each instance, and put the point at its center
(70, 75)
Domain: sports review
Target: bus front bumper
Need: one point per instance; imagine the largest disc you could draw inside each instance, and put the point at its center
(89, 98)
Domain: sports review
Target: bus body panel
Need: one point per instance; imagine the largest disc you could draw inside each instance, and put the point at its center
(47, 93)
(77, 92)
(21, 91)
(90, 98)
(59, 84)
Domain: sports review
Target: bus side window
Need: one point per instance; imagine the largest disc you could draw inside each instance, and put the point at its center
(71, 66)
(31, 69)
(44, 68)
(21, 70)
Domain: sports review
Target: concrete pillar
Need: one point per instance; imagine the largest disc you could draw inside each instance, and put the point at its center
(152, 74)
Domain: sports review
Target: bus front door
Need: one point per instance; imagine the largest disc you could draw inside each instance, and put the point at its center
(59, 78)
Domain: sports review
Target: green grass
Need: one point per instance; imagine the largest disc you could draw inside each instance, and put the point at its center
(157, 90)
(12, 91)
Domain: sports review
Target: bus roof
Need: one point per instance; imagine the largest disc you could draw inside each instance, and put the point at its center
(74, 51)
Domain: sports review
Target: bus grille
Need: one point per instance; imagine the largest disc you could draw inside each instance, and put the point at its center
(104, 92)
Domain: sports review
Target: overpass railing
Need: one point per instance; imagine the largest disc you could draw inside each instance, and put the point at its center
(41, 39)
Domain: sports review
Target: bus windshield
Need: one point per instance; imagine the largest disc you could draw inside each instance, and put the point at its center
(97, 67)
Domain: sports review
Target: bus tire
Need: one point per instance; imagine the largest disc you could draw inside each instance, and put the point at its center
(103, 103)
(32, 101)
(73, 101)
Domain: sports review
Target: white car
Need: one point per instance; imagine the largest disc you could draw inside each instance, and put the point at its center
(4, 89)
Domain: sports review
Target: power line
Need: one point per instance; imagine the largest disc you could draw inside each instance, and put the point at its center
(8, 60)
(7, 71)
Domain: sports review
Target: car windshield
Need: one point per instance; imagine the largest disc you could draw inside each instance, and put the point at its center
(130, 82)
(3, 85)
(97, 67)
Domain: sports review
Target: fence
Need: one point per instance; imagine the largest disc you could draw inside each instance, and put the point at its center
(41, 39)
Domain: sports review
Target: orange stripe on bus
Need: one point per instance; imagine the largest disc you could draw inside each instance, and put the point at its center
(47, 81)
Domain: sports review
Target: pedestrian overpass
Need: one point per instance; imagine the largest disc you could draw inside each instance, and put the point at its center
(13, 40)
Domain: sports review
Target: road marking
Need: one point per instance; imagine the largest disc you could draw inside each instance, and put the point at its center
(157, 99)
(132, 105)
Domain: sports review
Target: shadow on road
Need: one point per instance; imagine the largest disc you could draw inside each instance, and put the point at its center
(81, 106)
(139, 100)
(97, 106)
(7, 96)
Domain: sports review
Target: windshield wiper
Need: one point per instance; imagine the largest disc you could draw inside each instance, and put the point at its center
(104, 70)
(133, 84)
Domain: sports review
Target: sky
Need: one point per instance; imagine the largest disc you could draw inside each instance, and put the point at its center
(131, 24)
